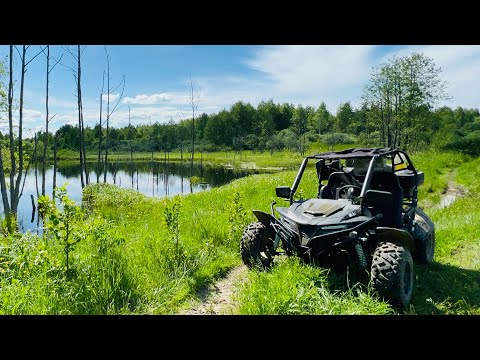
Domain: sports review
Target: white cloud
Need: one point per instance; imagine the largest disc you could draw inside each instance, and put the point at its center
(309, 74)
(149, 99)
(111, 97)
(312, 66)
(30, 114)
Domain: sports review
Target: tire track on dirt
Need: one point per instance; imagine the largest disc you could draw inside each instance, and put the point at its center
(217, 298)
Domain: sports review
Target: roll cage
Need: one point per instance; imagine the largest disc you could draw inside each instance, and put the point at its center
(372, 161)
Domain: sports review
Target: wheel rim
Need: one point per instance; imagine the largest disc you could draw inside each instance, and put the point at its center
(265, 255)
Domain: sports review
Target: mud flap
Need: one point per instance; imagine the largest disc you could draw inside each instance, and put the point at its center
(264, 217)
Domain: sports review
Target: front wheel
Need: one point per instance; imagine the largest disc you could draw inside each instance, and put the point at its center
(257, 240)
(392, 274)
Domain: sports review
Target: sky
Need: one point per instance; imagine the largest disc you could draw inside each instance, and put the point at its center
(158, 78)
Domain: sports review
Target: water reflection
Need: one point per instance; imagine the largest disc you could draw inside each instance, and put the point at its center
(148, 177)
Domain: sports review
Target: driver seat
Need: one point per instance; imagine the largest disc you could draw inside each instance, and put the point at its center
(386, 197)
(335, 181)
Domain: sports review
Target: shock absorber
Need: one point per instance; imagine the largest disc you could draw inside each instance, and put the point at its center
(361, 255)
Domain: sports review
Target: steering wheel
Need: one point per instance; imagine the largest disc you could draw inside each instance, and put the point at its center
(343, 188)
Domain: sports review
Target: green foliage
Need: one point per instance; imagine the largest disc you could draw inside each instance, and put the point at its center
(3, 88)
(338, 138)
(67, 154)
(345, 117)
(195, 180)
(60, 223)
(237, 219)
(468, 144)
(172, 214)
(399, 98)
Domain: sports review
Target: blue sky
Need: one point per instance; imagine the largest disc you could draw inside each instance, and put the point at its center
(158, 78)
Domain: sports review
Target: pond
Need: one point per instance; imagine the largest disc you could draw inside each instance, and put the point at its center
(148, 177)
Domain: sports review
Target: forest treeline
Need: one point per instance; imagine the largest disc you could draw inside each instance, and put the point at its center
(273, 127)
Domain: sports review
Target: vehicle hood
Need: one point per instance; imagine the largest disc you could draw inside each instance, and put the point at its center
(320, 212)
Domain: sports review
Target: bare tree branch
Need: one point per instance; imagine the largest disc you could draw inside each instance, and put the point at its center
(58, 61)
(29, 61)
(119, 98)
(72, 53)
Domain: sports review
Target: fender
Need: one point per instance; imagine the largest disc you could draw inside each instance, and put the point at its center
(398, 236)
(264, 217)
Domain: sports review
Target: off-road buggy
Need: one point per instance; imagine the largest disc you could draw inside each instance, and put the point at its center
(364, 216)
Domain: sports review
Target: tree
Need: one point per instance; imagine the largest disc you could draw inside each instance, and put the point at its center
(265, 115)
(194, 97)
(322, 119)
(77, 74)
(10, 204)
(47, 119)
(399, 99)
(99, 130)
(299, 124)
(282, 121)
(110, 90)
(345, 117)
(130, 134)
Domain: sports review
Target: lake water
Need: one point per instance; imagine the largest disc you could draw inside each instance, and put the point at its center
(151, 178)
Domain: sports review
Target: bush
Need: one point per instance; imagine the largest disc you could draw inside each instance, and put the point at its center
(67, 154)
(338, 138)
(469, 144)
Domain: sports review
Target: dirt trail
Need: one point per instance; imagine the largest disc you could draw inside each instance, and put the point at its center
(217, 298)
(453, 192)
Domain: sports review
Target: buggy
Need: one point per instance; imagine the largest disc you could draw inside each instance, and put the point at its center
(365, 215)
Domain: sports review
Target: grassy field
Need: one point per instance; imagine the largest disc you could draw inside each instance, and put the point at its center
(132, 254)
(245, 158)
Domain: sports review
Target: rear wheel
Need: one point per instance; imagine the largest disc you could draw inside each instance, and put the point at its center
(257, 240)
(424, 235)
(392, 274)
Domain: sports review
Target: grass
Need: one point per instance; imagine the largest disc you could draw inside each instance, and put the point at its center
(133, 257)
(245, 158)
(294, 288)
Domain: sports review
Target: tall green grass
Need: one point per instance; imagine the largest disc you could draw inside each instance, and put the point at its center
(294, 288)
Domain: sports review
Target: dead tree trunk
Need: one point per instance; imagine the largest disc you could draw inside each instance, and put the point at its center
(99, 138)
(47, 119)
(83, 154)
(54, 184)
(109, 113)
(10, 205)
